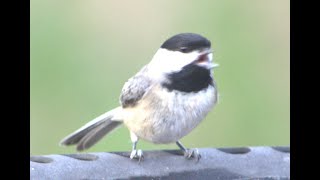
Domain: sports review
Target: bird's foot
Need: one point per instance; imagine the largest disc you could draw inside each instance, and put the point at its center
(137, 154)
(192, 153)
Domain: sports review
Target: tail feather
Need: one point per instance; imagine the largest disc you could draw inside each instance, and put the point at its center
(93, 131)
(96, 134)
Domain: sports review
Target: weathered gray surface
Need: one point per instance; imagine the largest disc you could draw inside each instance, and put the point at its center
(228, 163)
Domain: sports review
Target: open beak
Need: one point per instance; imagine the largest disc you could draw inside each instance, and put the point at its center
(205, 60)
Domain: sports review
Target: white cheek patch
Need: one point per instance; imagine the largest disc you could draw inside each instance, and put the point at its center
(165, 61)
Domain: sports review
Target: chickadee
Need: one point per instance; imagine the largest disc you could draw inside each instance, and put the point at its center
(164, 101)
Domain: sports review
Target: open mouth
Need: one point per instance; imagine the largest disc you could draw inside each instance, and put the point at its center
(203, 58)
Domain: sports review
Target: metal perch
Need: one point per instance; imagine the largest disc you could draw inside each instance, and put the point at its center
(215, 163)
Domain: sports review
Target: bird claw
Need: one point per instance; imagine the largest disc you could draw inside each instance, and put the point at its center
(192, 153)
(137, 154)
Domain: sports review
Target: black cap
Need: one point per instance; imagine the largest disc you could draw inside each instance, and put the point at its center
(186, 42)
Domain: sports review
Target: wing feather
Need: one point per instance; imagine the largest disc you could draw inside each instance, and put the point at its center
(135, 88)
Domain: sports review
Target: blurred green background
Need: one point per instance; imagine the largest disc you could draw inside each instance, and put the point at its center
(82, 52)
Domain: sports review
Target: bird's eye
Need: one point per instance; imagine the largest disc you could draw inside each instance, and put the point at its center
(184, 49)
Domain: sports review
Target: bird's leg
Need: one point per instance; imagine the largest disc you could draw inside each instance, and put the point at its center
(135, 154)
(189, 153)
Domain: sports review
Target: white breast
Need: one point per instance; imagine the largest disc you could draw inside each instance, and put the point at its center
(165, 117)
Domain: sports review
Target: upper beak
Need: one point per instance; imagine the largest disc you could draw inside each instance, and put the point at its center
(206, 52)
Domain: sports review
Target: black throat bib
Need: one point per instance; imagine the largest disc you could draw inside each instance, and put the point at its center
(191, 78)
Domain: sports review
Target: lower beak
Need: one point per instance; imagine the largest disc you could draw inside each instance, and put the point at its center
(214, 65)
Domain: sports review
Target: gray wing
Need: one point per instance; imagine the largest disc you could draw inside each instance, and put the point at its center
(134, 89)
